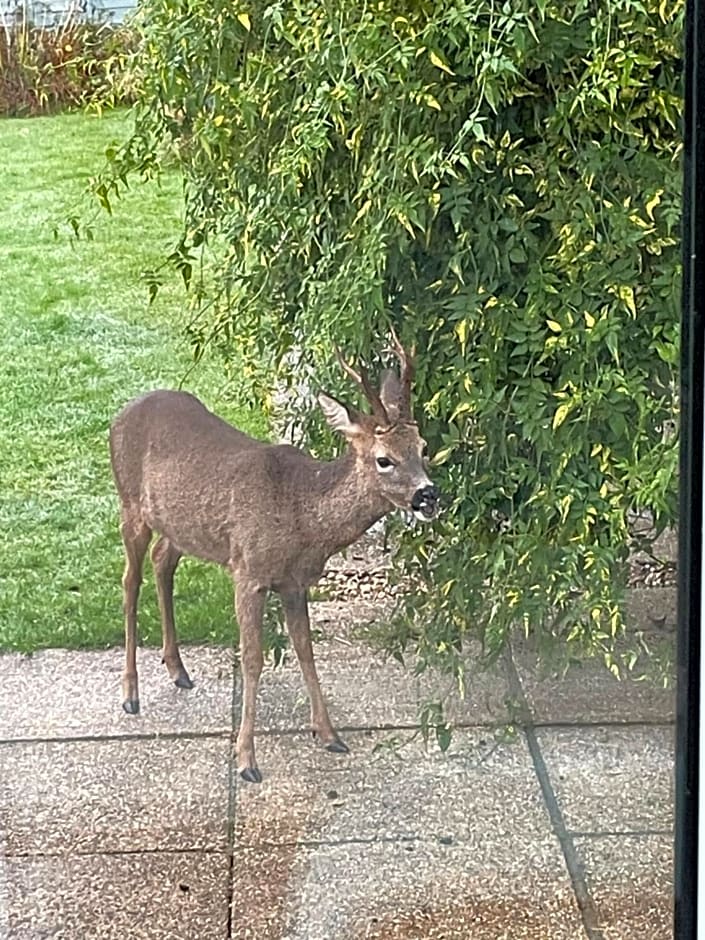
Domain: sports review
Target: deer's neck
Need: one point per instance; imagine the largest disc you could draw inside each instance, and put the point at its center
(345, 506)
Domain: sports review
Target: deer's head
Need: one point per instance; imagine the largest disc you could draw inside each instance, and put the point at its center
(387, 443)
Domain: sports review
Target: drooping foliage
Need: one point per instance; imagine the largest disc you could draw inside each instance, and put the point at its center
(501, 181)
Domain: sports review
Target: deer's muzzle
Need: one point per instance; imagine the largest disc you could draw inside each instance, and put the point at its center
(424, 503)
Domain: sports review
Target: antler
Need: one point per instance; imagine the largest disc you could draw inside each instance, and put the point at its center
(362, 378)
(406, 361)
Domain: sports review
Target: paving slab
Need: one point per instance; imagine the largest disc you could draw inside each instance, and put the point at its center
(349, 618)
(352, 679)
(652, 609)
(480, 791)
(126, 836)
(63, 693)
(263, 890)
(486, 698)
(383, 845)
(365, 689)
(111, 796)
(611, 779)
(116, 897)
(588, 691)
(350, 891)
(631, 881)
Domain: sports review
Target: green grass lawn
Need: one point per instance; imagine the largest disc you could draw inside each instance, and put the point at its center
(77, 340)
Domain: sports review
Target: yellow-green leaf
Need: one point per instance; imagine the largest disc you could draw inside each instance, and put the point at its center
(454, 265)
(439, 63)
(653, 202)
(564, 505)
(218, 119)
(553, 325)
(559, 416)
(461, 330)
(353, 141)
(432, 102)
(404, 219)
(447, 587)
(626, 294)
(245, 20)
(462, 409)
(589, 319)
(364, 208)
(441, 456)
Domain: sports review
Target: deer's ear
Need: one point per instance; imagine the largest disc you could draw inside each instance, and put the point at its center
(390, 392)
(339, 416)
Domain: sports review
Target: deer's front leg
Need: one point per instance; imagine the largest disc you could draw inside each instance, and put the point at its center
(295, 606)
(249, 605)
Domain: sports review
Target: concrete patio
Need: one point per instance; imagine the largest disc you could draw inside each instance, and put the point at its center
(550, 816)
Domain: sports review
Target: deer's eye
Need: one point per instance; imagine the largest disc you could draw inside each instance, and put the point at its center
(384, 463)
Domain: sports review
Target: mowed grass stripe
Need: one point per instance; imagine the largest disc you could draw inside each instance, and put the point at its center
(77, 340)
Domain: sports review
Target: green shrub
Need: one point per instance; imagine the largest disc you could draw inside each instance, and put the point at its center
(48, 66)
(501, 181)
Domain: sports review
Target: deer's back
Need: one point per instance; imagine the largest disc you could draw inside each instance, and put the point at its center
(172, 425)
(215, 492)
(174, 460)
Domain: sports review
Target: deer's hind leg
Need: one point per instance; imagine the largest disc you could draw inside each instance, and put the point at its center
(135, 536)
(165, 558)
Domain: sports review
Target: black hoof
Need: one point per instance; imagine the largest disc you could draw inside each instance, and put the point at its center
(338, 747)
(183, 682)
(131, 706)
(251, 775)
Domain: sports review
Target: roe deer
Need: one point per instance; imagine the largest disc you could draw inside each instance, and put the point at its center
(270, 513)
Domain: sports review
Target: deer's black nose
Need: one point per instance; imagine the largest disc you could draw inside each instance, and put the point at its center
(425, 501)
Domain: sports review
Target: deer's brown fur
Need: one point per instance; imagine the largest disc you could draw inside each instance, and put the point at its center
(270, 513)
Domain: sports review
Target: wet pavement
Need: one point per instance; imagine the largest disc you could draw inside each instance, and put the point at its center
(549, 817)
